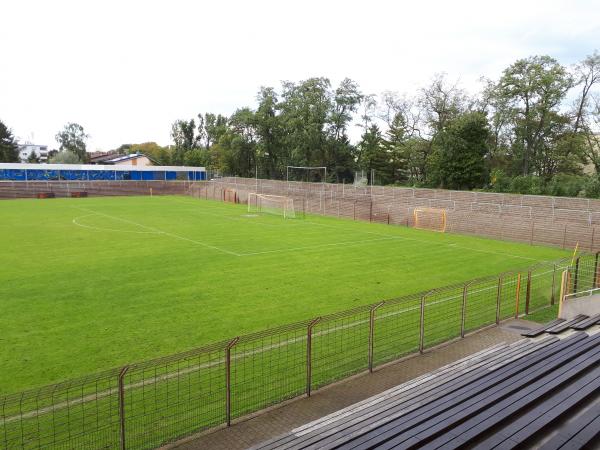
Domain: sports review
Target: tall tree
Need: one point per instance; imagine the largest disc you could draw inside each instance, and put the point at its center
(271, 154)
(372, 156)
(184, 136)
(586, 124)
(215, 126)
(440, 102)
(532, 90)
(345, 102)
(73, 138)
(304, 110)
(458, 158)
(9, 150)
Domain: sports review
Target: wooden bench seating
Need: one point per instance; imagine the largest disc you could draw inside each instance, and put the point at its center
(504, 396)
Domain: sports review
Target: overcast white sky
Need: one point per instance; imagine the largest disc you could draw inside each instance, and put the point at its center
(125, 70)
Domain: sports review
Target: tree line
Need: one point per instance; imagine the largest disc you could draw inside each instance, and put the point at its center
(72, 146)
(533, 129)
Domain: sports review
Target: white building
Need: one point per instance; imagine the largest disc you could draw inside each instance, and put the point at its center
(25, 151)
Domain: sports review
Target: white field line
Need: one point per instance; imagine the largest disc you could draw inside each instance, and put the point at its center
(286, 250)
(154, 230)
(151, 381)
(450, 244)
(308, 222)
(76, 219)
(99, 395)
(166, 233)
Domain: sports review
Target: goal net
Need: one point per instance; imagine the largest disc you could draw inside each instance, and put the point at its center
(271, 204)
(430, 219)
(230, 195)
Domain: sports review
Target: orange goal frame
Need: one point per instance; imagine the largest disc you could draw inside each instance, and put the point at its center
(442, 217)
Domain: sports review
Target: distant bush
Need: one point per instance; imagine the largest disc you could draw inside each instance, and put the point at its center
(560, 185)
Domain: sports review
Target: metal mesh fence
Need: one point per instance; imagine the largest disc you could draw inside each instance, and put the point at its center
(557, 221)
(148, 404)
(442, 315)
(78, 414)
(339, 346)
(583, 275)
(396, 329)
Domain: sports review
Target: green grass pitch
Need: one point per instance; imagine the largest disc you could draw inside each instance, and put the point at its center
(90, 284)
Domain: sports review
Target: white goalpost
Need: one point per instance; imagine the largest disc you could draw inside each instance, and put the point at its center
(279, 205)
(307, 174)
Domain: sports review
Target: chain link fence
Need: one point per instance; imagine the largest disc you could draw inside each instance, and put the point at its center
(557, 221)
(145, 405)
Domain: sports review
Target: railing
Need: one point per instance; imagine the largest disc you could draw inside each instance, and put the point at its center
(580, 294)
(145, 405)
(557, 221)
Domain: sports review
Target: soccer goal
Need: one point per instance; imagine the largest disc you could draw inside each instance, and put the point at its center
(430, 219)
(230, 195)
(271, 204)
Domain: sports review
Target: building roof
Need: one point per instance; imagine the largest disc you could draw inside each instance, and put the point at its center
(121, 158)
(101, 157)
(92, 167)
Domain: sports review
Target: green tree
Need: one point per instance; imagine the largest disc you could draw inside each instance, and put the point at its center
(214, 126)
(530, 92)
(196, 157)
(73, 138)
(65, 157)
(457, 161)
(587, 108)
(305, 108)
(9, 150)
(33, 158)
(271, 154)
(184, 136)
(373, 155)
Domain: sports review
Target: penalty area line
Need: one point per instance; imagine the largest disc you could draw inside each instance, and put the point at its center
(159, 231)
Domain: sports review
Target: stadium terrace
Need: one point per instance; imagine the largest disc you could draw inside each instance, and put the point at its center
(92, 172)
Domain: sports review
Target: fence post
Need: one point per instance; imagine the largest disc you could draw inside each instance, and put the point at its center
(592, 240)
(576, 279)
(595, 282)
(564, 290)
(552, 299)
(422, 324)
(371, 332)
(528, 294)
(228, 379)
(498, 297)
(531, 237)
(565, 237)
(463, 311)
(309, 329)
(518, 295)
(122, 405)
(354, 211)
(371, 211)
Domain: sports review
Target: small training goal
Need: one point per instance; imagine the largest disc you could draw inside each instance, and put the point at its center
(230, 195)
(271, 204)
(430, 219)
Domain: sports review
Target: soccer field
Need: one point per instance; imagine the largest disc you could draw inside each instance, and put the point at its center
(90, 284)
